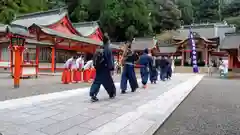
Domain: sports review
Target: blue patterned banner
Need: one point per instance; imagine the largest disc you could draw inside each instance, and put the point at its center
(194, 53)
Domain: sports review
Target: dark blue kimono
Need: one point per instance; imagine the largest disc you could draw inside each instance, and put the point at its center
(128, 74)
(103, 75)
(169, 69)
(163, 69)
(144, 61)
(153, 71)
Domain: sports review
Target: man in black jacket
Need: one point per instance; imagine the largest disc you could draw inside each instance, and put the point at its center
(104, 65)
(162, 64)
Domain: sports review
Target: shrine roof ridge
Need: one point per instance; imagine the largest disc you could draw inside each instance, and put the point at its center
(143, 38)
(85, 23)
(3, 27)
(208, 25)
(233, 34)
(36, 14)
(164, 44)
(144, 42)
(19, 30)
(44, 18)
(231, 41)
(86, 28)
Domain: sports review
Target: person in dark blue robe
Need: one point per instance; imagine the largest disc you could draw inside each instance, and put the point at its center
(145, 63)
(153, 71)
(169, 68)
(163, 68)
(128, 73)
(104, 73)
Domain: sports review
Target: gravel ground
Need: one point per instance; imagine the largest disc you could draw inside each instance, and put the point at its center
(213, 108)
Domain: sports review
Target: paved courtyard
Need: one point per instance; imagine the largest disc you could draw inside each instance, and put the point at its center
(31, 87)
(71, 112)
(213, 108)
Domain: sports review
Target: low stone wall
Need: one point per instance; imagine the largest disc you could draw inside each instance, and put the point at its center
(182, 69)
(236, 70)
(49, 65)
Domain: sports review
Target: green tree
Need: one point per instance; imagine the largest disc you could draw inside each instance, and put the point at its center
(111, 17)
(131, 32)
(136, 13)
(29, 6)
(206, 10)
(54, 4)
(80, 12)
(186, 8)
(232, 9)
(231, 13)
(10, 8)
(165, 15)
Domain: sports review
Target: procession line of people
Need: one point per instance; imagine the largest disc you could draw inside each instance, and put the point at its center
(103, 63)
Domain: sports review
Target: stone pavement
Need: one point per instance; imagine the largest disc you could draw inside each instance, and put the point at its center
(31, 87)
(139, 113)
(213, 108)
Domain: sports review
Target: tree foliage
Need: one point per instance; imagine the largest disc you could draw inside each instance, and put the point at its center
(231, 13)
(9, 8)
(125, 19)
(187, 9)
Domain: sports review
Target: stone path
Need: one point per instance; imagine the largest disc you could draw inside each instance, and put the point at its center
(139, 113)
(213, 108)
(31, 87)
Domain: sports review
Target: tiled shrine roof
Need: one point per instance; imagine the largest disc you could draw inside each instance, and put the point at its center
(142, 43)
(86, 28)
(231, 41)
(41, 18)
(166, 47)
(51, 32)
(14, 29)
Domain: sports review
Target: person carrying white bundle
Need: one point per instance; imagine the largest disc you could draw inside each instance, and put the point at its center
(88, 65)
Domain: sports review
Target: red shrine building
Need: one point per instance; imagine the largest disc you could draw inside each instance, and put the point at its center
(213, 41)
(52, 39)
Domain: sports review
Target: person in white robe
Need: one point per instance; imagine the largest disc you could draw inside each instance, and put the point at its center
(80, 63)
(173, 65)
(67, 64)
(88, 65)
(71, 65)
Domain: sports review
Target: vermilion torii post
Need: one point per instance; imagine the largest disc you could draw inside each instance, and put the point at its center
(17, 46)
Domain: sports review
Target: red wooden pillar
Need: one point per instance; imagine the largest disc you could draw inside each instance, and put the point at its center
(37, 60)
(0, 54)
(53, 60)
(183, 58)
(206, 55)
(28, 59)
(17, 64)
(11, 61)
(231, 61)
